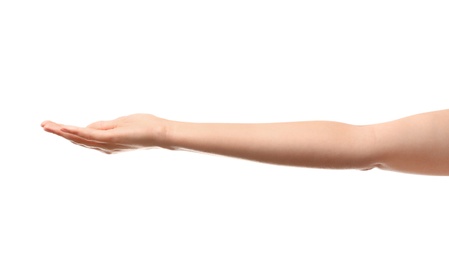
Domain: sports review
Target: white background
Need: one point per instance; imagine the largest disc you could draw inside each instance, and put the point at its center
(76, 62)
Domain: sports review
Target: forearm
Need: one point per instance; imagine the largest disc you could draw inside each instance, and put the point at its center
(318, 144)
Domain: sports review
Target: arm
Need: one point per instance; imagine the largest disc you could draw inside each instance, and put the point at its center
(415, 144)
(319, 144)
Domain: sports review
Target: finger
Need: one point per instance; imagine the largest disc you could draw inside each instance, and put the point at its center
(99, 146)
(51, 127)
(89, 133)
(103, 150)
(102, 147)
(44, 123)
(57, 129)
(62, 130)
(103, 125)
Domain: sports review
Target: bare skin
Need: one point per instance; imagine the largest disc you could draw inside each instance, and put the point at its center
(416, 144)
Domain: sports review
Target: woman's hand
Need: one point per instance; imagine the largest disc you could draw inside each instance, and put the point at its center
(125, 133)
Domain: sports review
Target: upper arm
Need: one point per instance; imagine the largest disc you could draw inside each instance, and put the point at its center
(415, 144)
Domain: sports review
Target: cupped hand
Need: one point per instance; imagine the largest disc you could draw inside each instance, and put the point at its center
(122, 134)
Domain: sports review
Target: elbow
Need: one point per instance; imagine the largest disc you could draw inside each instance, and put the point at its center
(370, 149)
(374, 166)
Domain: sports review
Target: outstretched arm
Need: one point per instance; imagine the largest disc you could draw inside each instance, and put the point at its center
(416, 144)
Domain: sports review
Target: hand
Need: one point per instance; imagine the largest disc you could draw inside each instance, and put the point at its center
(122, 134)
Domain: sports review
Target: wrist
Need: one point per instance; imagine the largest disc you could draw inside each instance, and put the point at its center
(167, 135)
